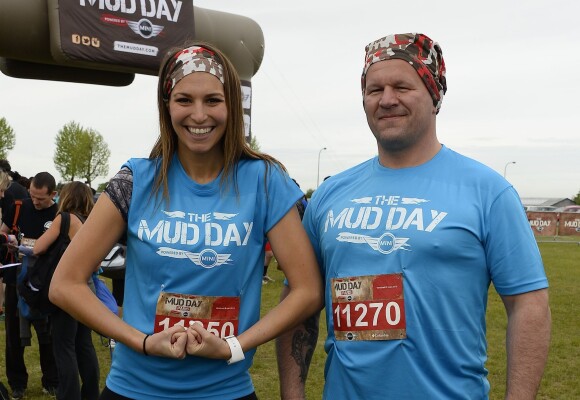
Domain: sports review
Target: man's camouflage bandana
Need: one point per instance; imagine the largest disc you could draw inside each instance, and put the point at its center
(421, 52)
(190, 60)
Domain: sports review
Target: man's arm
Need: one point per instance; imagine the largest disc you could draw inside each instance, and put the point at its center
(527, 342)
(294, 350)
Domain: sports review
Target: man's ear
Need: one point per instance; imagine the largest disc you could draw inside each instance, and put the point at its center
(53, 194)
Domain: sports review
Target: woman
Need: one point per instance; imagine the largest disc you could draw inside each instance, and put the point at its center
(196, 214)
(72, 342)
(4, 238)
(4, 183)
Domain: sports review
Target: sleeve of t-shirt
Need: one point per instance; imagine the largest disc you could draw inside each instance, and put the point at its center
(282, 194)
(120, 190)
(309, 222)
(512, 252)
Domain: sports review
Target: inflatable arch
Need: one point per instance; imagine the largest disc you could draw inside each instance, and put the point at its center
(107, 42)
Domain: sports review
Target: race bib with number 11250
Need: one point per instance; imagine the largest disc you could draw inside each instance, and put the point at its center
(218, 314)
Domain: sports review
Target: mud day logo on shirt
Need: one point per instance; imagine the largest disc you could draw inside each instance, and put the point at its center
(390, 212)
(214, 229)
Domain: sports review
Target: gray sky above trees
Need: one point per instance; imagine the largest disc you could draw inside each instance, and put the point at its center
(511, 72)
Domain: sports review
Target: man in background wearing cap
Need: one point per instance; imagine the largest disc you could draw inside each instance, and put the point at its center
(408, 244)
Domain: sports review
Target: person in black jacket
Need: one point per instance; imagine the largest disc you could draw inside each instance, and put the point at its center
(34, 217)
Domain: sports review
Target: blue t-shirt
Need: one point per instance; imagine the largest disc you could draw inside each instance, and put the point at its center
(431, 237)
(207, 242)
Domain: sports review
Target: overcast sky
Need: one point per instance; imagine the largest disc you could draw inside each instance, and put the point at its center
(512, 74)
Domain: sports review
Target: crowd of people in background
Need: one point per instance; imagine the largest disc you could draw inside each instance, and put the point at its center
(24, 221)
(30, 219)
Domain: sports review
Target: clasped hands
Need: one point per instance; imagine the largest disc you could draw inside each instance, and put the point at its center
(178, 341)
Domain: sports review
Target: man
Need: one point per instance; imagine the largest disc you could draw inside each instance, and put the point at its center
(408, 243)
(34, 217)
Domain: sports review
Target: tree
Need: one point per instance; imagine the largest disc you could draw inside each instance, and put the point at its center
(97, 153)
(254, 145)
(102, 186)
(7, 138)
(67, 158)
(81, 153)
(577, 198)
(309, 193)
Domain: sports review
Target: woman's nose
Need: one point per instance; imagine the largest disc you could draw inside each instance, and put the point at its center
(198, 113)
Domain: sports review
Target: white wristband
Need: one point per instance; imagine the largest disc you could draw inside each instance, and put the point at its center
(236, 349)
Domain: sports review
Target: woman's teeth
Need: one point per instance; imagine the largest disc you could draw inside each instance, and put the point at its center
(199, 131)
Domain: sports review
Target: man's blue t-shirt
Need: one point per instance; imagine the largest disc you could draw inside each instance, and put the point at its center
(408, 256)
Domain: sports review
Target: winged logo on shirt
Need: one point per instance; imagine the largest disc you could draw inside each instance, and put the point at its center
(386, 243)
(207, 258)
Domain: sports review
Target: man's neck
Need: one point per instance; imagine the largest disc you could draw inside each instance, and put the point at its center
(407, 158)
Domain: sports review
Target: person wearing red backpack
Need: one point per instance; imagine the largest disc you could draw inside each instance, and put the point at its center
(28, 219)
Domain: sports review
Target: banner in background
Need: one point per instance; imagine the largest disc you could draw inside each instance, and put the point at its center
(134, 33)
(569, 224)
(543, 223)
(247, 106)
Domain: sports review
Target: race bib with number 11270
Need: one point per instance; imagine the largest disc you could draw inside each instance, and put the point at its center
(368, 307)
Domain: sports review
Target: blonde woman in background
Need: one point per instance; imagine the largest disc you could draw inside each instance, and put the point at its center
(4, 183)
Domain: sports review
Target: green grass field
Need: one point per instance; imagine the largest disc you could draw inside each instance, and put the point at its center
(562, 262)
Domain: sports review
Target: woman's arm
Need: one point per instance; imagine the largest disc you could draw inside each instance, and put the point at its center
(296, 258)
(47, 238)
(69, 289)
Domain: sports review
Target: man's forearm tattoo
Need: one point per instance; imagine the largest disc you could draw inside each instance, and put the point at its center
(303, 345)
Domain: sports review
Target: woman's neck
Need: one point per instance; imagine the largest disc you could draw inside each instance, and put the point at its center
(202, 168)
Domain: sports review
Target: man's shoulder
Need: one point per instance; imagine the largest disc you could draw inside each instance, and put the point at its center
(17, 190)
(354, 172)
(342, 183)
(457, 158)
(25, 204)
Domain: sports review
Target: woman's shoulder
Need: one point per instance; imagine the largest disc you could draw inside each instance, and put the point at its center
(261, 170)
(140, 164)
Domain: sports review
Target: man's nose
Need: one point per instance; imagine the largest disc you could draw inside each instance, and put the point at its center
(389, 98)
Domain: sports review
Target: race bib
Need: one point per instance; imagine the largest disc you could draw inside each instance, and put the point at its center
(219, 315)
(28, 242)
(369, 307)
